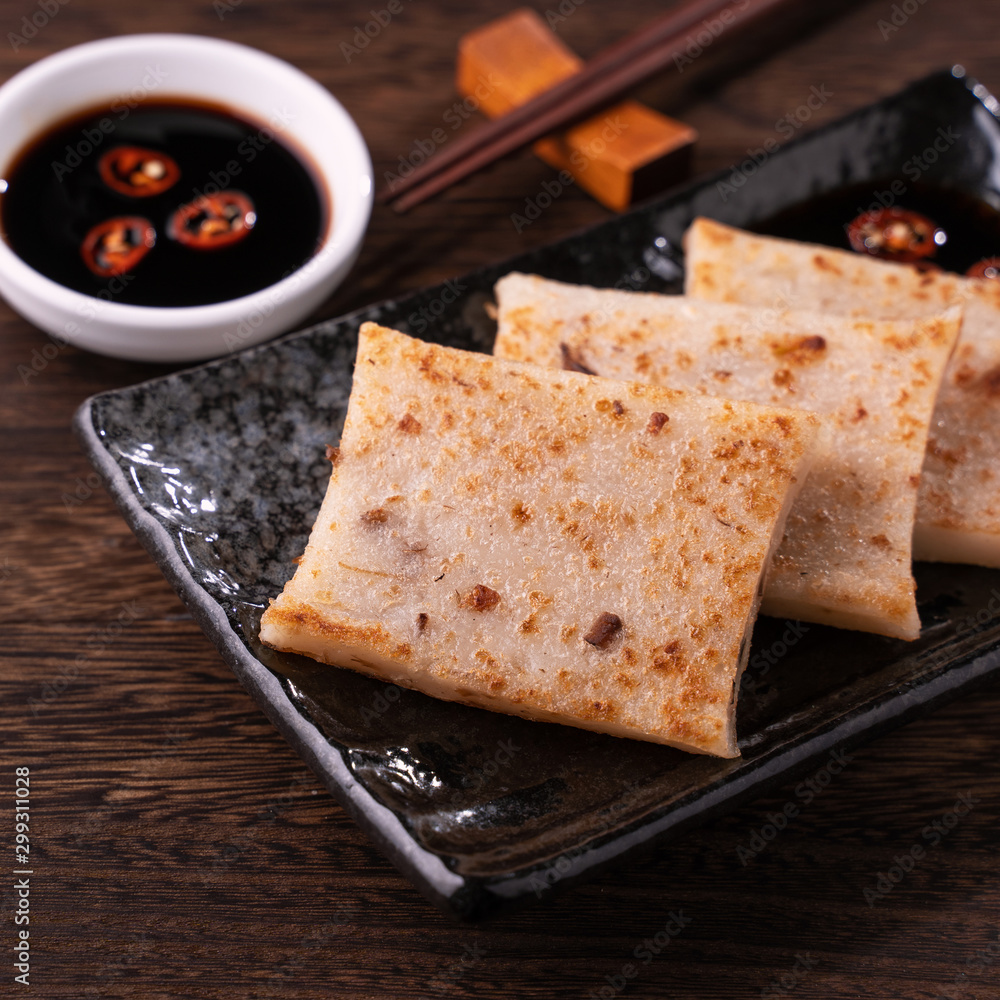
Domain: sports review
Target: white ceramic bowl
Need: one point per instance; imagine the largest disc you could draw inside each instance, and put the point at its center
(259, 87)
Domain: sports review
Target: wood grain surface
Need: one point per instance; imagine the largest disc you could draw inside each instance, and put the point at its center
(179, 847)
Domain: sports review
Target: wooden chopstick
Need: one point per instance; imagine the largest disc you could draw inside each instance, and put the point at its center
(684, 18)
(607, 76)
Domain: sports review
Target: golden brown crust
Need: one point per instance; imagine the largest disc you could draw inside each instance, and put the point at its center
(875, 381)
(958, 505)
(529, 503)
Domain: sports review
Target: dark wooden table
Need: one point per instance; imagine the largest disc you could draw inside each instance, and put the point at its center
(151, 764)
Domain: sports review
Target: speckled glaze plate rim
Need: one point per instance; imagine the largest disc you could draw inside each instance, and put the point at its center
(976, 662)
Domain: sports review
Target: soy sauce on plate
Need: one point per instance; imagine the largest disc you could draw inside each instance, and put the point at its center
(971, 227)
(165, 204)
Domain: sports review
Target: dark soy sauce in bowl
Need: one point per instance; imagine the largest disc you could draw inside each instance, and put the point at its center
(55, 196)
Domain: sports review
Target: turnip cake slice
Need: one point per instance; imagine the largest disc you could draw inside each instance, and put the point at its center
(545, 543)
(958, 505)
(845, 559)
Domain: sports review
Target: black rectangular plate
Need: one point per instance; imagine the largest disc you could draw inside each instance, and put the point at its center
(220, 471)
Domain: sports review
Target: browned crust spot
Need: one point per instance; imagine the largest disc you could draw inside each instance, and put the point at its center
(603, 710)
(813, 343)
(372, 517)
(803, 350)
(409, 424)
(656, 422)
(729, 450)
(520, 513)
(880, 541)
(604, 628)
(530, 624)
(964, 375)
(422, 621)
(610, 406)
(825, 264)
(668, 656)
(482, 598)
(946, 455)
(301, 617)
(492, 677)
(332, 454)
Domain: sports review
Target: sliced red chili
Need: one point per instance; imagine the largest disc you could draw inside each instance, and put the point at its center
(894, 234)
(988, 267)
(213, 221)
(116, 245)
(138, 172)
